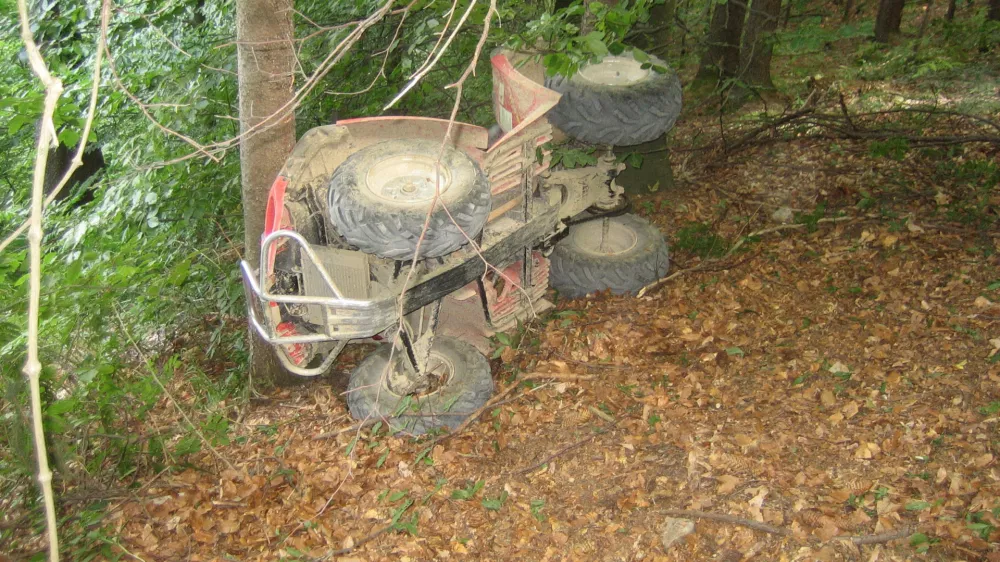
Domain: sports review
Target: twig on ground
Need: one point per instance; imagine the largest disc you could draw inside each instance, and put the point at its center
(354, 427)
(557, 376)
(562, 451)
(704, 265)
(726, 518)
(604, 416)
(475, 415)
(782, 531)
(361, 542)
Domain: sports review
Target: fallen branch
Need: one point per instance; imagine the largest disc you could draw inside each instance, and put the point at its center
(358, 544)
(475, 415)
(557, 376)
(847, 126)
(782, 531)
(739, 243)
(604, 416)
(726, 518)
(560, 452)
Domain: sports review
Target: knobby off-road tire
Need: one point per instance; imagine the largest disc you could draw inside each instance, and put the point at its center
(616, 102)
(634, 255)
(467, 388)
(380, 195)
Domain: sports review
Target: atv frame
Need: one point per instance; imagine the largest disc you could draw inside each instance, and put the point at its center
(311, 293)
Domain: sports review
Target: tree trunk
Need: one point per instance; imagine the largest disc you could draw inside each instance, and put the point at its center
(950, 16)
(264, 33)
(722, 57)
(848, 11)
(994, 13)
(755, 55)
(890, 15)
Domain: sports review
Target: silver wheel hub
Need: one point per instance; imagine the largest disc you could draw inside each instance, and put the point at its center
(438, 374)
(615, 71)
(604, 237)
(408, 178)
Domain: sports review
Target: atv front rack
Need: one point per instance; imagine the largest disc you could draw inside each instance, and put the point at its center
(351, 318)
(346, 318)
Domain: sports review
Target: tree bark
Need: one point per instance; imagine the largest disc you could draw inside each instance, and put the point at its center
(848, 11)
(890, 15)
(755, 55)
(994, 13)
(950, 15)
(722, 56)
(264, 33)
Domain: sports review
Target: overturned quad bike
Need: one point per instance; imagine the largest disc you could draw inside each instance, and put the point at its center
(351, 209)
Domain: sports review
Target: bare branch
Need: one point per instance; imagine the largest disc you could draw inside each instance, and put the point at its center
(32, 366)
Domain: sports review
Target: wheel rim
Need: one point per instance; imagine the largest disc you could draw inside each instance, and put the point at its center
(407, 178)
(440, 371)
(615, 71)
(604, 237)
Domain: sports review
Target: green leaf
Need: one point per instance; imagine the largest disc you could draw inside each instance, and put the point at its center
(396, 496)
(734, 351)
(917, 539)
(640, 55)
(189, 444)
(469, 492)
(917, 505)
(994, 286)
(69, 137)
(179, 273)
(594, 42)
(17, 122)
(62, 406)
(496, 503)
(381, 459)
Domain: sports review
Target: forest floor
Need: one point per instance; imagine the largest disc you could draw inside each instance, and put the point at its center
(836, 375)
(835, 378)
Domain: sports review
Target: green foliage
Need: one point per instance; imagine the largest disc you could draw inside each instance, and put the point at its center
(950, 48)
(564, 48)
(812, 35)
(495, 504)
(573, 157)
(469, 491)
(894, 148)
(699, 239)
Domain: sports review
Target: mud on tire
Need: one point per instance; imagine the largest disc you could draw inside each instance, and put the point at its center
(617, 102)
(380, 195)
(633, 255)
(467, 389)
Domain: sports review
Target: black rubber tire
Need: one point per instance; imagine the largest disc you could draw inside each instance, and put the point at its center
(468, 389)
(575, 271)
(617, 115)
(391, 229)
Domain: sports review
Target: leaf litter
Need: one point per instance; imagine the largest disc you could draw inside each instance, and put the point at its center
(838, 380)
